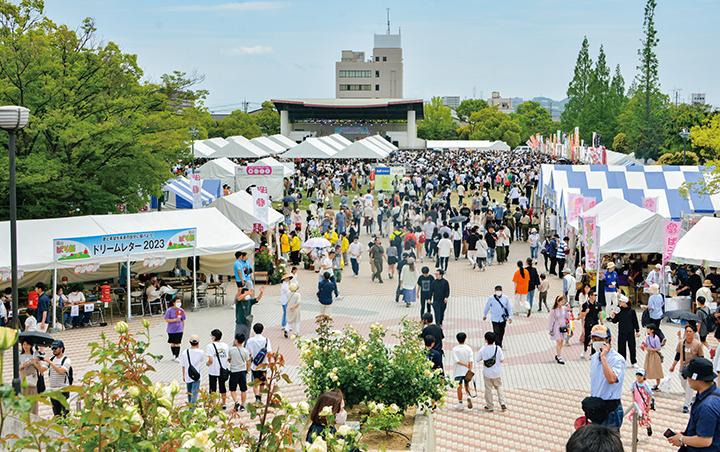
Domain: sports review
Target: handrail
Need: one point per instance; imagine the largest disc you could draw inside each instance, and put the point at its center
(634, 411)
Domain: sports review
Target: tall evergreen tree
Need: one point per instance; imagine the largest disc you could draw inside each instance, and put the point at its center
(600, 113)
(575, 114)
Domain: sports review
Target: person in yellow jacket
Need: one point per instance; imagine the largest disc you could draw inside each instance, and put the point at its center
(294, 248)
(344, 247)
(331, 235)
(284, 244)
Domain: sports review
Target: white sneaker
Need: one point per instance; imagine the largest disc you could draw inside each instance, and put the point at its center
(582, 355)
(459, 407)
(635, 366)
(339, 297)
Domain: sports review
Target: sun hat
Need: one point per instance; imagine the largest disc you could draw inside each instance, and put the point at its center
(700, 369)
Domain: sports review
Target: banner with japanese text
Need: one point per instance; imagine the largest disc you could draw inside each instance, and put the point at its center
(260, 208)
(671, 234)
(576, 206)
(650, 204)
(123, 244)
(195, 185)
(591, 245)
(588, 203)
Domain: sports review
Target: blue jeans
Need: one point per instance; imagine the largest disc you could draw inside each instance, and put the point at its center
(284, 319)
(443, 261)
(534, 252)
(491, 255)
(192, 390)
(615, 419)
(355, 266)
(530, 297)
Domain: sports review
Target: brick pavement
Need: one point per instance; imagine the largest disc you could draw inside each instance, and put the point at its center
(543, 397)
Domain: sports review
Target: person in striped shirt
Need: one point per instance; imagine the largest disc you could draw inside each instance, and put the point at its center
(562, 251)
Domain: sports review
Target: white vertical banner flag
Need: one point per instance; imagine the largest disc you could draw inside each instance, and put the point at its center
(260, 208)
(195, 186)
(650, 204)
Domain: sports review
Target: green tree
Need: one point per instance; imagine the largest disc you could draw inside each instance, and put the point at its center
(677, 158)
(677, 118)
(534, 119)
(269, 119)
(238, 123)
(492, 125)
(576, 109)
(438, 123)
(97, 137)
(706, 137)
(601, 114)
(468, 107)
(620, 144)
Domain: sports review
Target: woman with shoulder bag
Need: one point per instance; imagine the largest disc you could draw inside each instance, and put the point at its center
(558, 325)
(29, 367)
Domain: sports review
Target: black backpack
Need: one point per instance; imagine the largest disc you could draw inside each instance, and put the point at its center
(69, 373)
(708, 320)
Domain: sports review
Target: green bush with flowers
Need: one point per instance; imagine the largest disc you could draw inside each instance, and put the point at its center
(366, 370)
(385, 418)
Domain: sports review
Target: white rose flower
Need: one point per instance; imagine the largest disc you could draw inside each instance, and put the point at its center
(317, 364)
(326, 411)
(344, 430)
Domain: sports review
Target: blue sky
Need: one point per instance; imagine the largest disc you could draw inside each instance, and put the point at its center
(258, 50)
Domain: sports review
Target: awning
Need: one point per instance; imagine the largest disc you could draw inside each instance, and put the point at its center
(701, 244)
(311, 148)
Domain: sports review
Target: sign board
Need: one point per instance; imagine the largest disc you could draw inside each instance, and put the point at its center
(123, 244)
(358, 130)
(261, 176)
(385, 175)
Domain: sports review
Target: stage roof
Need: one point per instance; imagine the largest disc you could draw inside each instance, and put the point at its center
(389, 109)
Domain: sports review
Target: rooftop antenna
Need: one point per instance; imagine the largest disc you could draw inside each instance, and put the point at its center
(388, 20)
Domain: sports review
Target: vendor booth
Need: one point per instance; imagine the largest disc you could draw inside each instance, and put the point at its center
(238, 208)
(311, 148)
(701, 244)
(222, 169)
(362, 149)
(179, 193)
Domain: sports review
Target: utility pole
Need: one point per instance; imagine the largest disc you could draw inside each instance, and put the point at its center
(388, 20)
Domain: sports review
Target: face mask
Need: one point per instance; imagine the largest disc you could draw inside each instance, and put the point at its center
(247, 297)
(178, 305)
(341, 417)
(597, 346)
(498, 293)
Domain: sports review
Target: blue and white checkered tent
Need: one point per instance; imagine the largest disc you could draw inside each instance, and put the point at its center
(179, 193)
(632, 183)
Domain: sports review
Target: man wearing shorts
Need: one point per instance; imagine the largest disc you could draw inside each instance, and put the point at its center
(238, 362)
(244, 302)
(243, 271)
(217, 353)
(254, 345)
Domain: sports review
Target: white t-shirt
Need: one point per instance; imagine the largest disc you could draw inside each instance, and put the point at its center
(76, 297)
(445, 247)
(487, 352)
(355, 249)
(30, 323)
(196, 358)
(254, 345)
(461, 353)
(222, 352)
(327, 266)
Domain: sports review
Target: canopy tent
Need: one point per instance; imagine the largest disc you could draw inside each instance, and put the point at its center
(238, 208)
(268, 145)
(481, 145)
(701, 244)
(239, 147)
(311, 148)
(222, 169)
(180, 194)
(283, 141)
(627, 228)
(215, 143)
(618, 158)
(202, 150)
(382, 143)
(361, 149)
(632, 183)
(340, 139)
(269, 161)
(332, 143)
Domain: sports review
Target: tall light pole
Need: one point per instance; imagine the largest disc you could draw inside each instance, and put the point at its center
(685, 135)
(13, 119)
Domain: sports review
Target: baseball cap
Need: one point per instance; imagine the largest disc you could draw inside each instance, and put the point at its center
(57, 343)
(658, 266)
(600, 331)
(624, 299)
(640, 371)
(498, 287)
(700, 369)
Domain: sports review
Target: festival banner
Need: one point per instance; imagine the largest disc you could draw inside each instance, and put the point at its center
(122, 244)
(577, 136)
(576, 205)
(588, 203)
(650, 204)
(195, 186)
(591, 245)
(260, 208)
(671, 234)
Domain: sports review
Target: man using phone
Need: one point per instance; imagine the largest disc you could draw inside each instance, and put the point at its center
(703, 428)
(607, 370)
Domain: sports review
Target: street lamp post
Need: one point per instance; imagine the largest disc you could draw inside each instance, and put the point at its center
(13, 119)
(685, 135)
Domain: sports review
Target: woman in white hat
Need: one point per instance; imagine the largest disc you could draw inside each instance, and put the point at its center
(293, 310)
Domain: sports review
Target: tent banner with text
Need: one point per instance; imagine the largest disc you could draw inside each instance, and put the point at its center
(591, 244)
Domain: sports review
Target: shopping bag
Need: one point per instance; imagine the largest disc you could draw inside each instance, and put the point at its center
(664, 385)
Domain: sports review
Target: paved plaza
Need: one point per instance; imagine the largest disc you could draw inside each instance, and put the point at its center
(543, 397)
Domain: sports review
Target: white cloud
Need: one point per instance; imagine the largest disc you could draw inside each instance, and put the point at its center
(255, 50)
(239, 6)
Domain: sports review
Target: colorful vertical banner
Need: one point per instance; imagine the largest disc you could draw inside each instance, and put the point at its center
(577, 136)
(260, 208)
(588, 203)
(650, 204)
(591, 244)
(195, 186)
(671, 234)
(576, 206)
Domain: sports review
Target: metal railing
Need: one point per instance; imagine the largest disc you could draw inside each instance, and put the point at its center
(635, 412)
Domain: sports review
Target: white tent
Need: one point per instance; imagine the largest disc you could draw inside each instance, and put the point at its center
(700, 244)
(238, 208)
(239, 147)
(283, 141)
(362, 149)
(311, 148)
(222, 168)
(627, 228)
(269, 161)
(334, 144)
(180, 194)
(202, 150)
(382, 143)
(215, 143)
(268, 145)
(468, 144)
(340, 139)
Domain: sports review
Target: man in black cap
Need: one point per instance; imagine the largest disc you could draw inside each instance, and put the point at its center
(703, 428)
(59, 372)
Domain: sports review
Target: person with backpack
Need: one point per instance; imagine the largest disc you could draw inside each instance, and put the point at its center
(59, 373)
(259, 347)
(491, 355)
(707, 320)
(239, 362)
(217, 353)
(190, 362)
(656, 305)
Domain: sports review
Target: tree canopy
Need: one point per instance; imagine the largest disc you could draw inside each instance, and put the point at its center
(492, 125)
(534, 119)
(468, 107)
(438, 123)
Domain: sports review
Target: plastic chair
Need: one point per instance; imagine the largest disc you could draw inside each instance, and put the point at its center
(136, 299)
(202, 295)
(221, 293)
(157, 302)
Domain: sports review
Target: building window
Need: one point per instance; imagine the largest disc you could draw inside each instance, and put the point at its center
(377, 87)
(384, 58)
(355, 74)
(377, 73)
(354, 87)
(377, 58)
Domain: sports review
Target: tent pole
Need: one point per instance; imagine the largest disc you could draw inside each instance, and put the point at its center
(128, 317)
(51, 328)
(193, 272)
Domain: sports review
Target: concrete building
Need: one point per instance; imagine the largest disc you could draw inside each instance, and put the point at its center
(504, 105)
(379, 77)
(451, 101)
